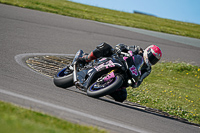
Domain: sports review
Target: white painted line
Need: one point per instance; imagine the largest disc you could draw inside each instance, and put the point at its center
(78, 113)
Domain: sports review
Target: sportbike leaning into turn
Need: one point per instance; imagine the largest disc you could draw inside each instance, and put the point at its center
(108, 71)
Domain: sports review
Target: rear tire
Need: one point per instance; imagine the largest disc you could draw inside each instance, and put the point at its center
(114, 85)
(63, 80)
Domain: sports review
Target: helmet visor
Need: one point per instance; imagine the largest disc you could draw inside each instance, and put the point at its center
(152, 59)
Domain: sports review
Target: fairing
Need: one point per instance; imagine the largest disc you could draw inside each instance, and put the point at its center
(100, 67)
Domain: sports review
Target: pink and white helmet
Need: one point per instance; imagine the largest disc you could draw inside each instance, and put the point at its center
(152, 55)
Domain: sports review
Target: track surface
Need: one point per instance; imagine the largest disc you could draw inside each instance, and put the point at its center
(27, 31)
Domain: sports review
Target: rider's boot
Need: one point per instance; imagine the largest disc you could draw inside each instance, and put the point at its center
(86, 58)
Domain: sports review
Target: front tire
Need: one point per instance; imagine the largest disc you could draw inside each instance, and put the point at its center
(63, 79)
(114, 85)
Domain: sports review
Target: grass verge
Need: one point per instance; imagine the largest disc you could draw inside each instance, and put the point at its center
(14, 119)
(173, 88)
(72, 9)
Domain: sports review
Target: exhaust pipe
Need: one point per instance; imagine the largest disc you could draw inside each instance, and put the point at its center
(75, 73)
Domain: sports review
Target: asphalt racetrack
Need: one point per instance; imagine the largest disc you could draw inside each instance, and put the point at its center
(24, 31)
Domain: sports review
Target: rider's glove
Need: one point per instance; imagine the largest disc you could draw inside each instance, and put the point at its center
(136, 50)
(120, 48)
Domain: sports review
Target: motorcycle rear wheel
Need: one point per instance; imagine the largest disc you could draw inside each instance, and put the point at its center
(63, 79)
(114, 85)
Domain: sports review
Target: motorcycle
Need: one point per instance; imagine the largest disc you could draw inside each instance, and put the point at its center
(102, 76)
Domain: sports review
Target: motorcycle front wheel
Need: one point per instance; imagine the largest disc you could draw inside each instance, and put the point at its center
(63, 78)
(100, 89)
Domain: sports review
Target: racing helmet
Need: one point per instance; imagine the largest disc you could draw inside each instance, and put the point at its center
(152, 54)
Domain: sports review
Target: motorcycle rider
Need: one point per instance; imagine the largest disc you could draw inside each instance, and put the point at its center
(151, 55)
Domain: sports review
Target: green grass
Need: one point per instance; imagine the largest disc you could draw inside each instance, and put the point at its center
(173, 88)
(14, 119)
(72, 9)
